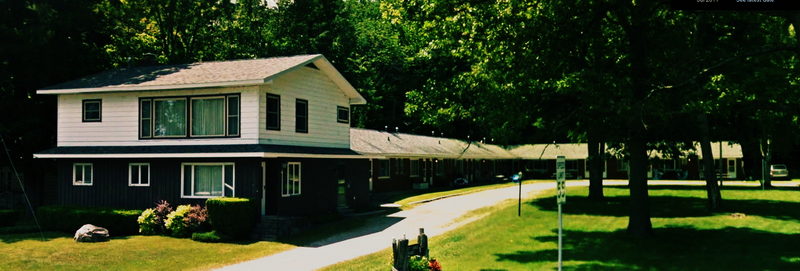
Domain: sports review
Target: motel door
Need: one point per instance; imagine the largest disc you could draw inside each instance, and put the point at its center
(427, 172)
(341, 188)
(732, 168)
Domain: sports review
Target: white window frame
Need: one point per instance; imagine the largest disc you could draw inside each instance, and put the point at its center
(414, 167)
(83, 174)
(222, 164)
(381, 168)
(139, 169)
(286, 180)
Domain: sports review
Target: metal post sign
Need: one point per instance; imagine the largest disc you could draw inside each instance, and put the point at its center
(561, 196)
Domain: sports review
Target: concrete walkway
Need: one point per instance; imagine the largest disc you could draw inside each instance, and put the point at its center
(436, 217)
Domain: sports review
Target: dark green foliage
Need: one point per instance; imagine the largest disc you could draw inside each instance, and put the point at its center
(210, 237)
(8, 217)
(234, 217)
(69, 218)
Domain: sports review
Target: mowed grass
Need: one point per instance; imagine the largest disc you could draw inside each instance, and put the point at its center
(60, 252)
(687, 236)
(412, 200)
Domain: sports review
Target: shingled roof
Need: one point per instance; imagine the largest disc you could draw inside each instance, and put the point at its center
(201, 74)
(551, 151)
(386, 144)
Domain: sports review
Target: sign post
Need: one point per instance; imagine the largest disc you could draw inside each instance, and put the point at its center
(518, 178)
(561, 198)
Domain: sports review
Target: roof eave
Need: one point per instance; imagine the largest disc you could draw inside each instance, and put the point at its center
(146, 88)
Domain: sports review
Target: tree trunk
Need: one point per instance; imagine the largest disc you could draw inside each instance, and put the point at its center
(751, 153)
(766, 150)
(712, 189)
(639, 220)
(595, 169)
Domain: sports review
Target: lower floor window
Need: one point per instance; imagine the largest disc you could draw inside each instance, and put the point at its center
(207, 180)
(82, 174)
(291, 184)
(139, 174)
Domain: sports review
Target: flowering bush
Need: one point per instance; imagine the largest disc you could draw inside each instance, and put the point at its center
(186, 219)
(151, 221)
(434, 265)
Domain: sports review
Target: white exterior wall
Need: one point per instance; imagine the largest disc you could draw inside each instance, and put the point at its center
(119, 125)
(120, 115)
(323, 96)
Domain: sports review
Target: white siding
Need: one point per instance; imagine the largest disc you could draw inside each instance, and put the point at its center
(323, 96)
(120, 119)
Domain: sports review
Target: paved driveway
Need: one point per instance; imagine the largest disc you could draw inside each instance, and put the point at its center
(436, 217)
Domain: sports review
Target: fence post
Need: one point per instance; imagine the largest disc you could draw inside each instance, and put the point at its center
(400, 254)
(422, 240)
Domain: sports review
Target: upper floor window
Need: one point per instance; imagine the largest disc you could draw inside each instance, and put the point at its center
(91, 110)
(202, 116)
(301, 116)
(273, 112)
(342, 114)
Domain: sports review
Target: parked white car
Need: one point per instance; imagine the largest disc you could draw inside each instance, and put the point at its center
(778, 171)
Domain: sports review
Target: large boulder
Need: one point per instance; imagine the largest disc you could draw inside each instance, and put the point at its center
(91, 233)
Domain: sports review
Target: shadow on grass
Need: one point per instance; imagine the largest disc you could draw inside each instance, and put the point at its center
(672, 207)
(671, 249)
(35, 236)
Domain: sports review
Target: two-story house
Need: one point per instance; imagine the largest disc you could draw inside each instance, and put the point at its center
(276, 130)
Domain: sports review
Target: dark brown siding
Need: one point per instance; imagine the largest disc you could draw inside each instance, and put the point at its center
(318, 186)
(110, 186)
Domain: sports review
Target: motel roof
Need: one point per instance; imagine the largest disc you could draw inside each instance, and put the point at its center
(387, 144)
(570, 151)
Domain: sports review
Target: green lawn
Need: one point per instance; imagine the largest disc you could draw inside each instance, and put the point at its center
(60, 252)
(411, 200)
(688, 237)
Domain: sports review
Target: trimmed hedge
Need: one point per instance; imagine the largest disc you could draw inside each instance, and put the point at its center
(234, 217)
(70, 218)
(8, 217)
(209, 237)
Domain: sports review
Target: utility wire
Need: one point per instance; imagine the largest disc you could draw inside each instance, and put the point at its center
(21, 186)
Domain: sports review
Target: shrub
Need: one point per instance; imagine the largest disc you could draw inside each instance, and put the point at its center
(152, 220)
(8, 217)
(69, 218)
(149, 222)
(234, 217)
(185, 220)
(210, 237)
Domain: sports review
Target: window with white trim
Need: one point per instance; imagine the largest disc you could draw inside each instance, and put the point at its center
(292, 180)
(139, 174)
(414, 167)
(207, 180)
(82, 174)
(384, 168)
